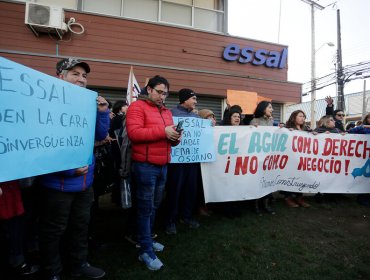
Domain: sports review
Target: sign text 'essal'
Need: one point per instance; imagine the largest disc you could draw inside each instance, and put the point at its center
(271, 59)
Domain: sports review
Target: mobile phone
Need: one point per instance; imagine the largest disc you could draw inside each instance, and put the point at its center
(179, 126)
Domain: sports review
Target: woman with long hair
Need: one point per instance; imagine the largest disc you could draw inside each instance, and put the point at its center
(232, 209)
(296, 121)
(263, 117)
(263, 114)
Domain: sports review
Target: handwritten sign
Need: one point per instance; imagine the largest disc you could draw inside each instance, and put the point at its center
(46, 124)
(253, 162)
(196, 142)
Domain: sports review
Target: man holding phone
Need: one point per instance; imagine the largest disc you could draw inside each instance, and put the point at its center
(182, 178)
(152, 133)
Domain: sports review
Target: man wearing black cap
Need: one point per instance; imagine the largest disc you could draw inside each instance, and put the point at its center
(67, 195)
(182, 178)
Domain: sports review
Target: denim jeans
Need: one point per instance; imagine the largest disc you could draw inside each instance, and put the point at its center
(150, 180)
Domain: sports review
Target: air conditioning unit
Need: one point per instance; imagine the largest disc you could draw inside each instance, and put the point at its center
(45, 18)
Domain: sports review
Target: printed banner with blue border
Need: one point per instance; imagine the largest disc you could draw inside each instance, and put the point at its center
(46, 124)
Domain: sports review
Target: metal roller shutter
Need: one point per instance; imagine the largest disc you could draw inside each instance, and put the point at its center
(276, 114)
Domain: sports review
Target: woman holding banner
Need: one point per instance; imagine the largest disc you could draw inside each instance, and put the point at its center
(232, 209)
(326, 125)
(263, 117)
(296, 121)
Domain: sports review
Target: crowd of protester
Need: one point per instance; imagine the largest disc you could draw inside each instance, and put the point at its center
(132, 161)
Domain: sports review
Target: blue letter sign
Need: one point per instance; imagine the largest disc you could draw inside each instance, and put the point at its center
(271, 59)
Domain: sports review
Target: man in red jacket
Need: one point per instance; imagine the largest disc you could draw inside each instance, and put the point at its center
(152, 133)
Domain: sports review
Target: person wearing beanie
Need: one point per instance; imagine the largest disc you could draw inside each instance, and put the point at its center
(181, 183)
(185, 94)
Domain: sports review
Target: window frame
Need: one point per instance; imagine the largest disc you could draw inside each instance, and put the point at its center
(221, 28)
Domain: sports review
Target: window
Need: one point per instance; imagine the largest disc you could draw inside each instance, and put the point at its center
(210, 4)
(208, 20)
(107, 7)
(178, 14)
(134, 9)
(184, 2)
(67, 4)
(201, 14)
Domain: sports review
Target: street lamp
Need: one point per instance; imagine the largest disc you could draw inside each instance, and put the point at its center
(313, 82)
(330, 44)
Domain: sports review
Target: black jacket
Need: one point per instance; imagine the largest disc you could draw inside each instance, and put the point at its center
(338, 123)
(323, 129)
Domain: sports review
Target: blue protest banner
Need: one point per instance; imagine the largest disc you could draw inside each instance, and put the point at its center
(46, 124)
(196, 142)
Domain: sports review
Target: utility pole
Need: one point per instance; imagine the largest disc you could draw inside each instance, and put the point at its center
(313, 60)
(340, 75)
(364, 103)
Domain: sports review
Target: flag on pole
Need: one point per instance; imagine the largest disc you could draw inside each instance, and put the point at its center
(133, 88)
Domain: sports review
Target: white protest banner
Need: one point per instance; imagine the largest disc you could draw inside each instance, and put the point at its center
(46, 124)
(196, 141)
(252, 162)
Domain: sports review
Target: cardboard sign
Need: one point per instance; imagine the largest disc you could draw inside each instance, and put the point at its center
(46, 124)
(196, 141)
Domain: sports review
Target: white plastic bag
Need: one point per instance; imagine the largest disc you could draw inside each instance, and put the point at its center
(125, 190)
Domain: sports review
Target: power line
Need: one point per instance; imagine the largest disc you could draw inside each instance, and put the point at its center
(361, 68)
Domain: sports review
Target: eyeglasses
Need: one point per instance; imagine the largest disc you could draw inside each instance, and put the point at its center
(161, 92)
(340, 115)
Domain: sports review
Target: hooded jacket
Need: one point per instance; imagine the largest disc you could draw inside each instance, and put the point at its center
(146, 123)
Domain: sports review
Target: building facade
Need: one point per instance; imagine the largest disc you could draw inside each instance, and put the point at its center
(185, 41)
